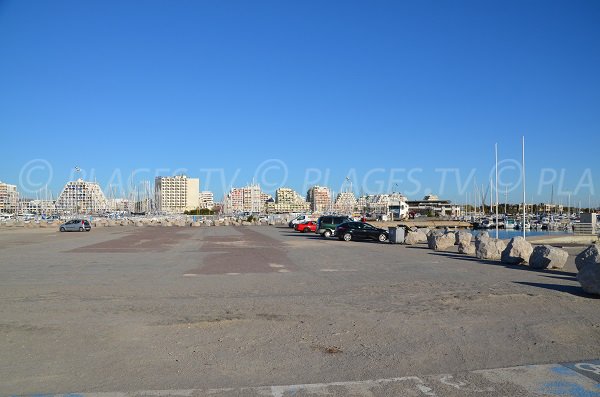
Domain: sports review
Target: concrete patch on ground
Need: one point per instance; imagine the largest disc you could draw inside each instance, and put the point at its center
(579, 379)
(247, 252)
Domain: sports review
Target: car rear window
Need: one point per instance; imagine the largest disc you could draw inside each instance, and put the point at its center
(327, 219)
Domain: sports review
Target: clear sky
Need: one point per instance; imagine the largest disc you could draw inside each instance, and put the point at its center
(394, 94)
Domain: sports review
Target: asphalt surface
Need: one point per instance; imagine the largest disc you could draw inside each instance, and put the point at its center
(122, 310)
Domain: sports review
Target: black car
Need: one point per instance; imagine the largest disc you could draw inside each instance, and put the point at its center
(360, 231)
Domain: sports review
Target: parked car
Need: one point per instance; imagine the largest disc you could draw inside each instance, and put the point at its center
(310, 226)
(76, 225)
(326, 224)
(299, 219)
(360, 231)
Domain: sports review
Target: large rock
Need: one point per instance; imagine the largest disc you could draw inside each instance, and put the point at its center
(439, 242)
(424, 230)
(489, 248)
(481, 236)
(589, 278)
(517, 251)
(417, 237)
(590, 256)
(431, 238)
(548, 257)
(463, 236)
(466, 248)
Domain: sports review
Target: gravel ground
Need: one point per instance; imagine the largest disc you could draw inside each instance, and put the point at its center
(123, 309)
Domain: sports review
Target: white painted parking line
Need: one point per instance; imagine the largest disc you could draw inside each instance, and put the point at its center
(529, 380)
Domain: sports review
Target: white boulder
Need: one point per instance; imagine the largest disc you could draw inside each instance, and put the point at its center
(517, 251)
(548, 257)
(466, 248)
(439, 242)
(489, 248)
(417, 237)
(589, 278)
(463, 236)
(590, 256)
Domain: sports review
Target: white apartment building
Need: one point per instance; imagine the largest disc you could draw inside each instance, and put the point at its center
(319, 198)
(207, 200)
(286, 201)
(39, 207)
(81, 197)
(9, 198)
(176, 194)
(384, 204)
(246, 199)
(345, 202)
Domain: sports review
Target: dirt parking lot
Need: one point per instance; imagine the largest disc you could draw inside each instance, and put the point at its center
(125, 309)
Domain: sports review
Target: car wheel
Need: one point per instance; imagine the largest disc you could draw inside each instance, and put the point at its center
(347, 237)
(327, 233)
(81, 229)
(305, 230)
(382, 238)
(62, 229)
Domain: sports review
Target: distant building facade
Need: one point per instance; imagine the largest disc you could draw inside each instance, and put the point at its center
(384, 204)
(207, 200)
(176, 194)
(248, 199)
(319, 198)
(38, 207)
(431, 204)
(9, 198)
(345, 203)
(287, 201)
(81, 197)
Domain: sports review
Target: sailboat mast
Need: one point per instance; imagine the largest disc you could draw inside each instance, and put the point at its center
(496, 147)
(523, 176)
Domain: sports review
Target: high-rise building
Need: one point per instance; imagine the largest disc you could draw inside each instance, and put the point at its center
(319, 198)
(246, 199)
(81, 197)
(287, 201)
(9, 198)
(207, 200)
(176, 194)
(345, 202)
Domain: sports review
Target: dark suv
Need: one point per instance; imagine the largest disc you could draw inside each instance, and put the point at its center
(326, 224)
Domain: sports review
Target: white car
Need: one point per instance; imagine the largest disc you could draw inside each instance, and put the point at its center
(299, 219)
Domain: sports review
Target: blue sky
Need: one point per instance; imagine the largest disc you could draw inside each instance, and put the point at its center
(393, 94)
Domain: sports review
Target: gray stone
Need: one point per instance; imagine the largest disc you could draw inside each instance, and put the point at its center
(424, 230)
(589, 278)
(481, 236)
(548, 257)
(590, 256)
(466, 248)
(439, 242)
(517, 251)
(463, 236)
(489, 248)
(417, 237)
